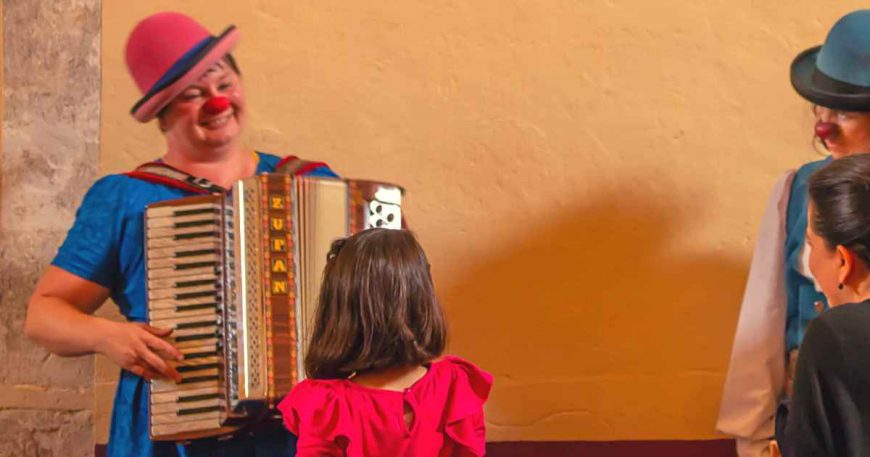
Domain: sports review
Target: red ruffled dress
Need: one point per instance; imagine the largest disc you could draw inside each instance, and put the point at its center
(338, 417)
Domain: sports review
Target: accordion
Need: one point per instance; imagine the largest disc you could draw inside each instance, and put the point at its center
(237, 278)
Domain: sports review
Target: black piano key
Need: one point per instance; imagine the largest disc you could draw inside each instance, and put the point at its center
(181, 339)
(195, 325)
(195, 379)
(204, 409)
(207, 293)
(189, 368)
(196, 307)
(199, 355)
(188, 236)
(193, 212)
(187, 266)
(202, 397)
(195, 253)
(198, 282)
(194, 223)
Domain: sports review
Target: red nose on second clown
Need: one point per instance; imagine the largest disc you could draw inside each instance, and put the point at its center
(216, 105)
(825, 130)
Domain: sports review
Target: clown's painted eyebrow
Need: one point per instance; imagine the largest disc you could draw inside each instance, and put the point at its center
(218, 66)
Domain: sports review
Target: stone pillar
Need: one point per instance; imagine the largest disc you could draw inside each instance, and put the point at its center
(50, 153)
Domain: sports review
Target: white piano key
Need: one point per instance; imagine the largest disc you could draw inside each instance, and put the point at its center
(172, 303)
(193, 343)
(162, 385)
(208, 371)
(185, 427)
(178, 292)
(173, 408)
(172, 232)
(209, 348)
(168, 262)
(174, 418)
(193, 331)
(196, 361)
(176, 396)
(162, 273)
(164, 314)
(161, 222)
(180, 251)
(169, 242)
(171, 211)
(183, 282)
(175, 320)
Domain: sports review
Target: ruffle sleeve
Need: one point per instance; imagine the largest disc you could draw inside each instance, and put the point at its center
(464, 420)
(316, 414)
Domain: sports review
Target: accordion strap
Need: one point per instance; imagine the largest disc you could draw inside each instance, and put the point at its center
(161, 173)
(295, 166)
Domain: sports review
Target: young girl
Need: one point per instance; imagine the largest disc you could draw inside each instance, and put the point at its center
(375, 387)
(781, 297)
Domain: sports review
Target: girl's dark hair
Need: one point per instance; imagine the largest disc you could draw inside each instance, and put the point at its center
(377, 307)
(840, 194)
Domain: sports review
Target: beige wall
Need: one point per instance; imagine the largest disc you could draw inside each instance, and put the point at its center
(586, 176)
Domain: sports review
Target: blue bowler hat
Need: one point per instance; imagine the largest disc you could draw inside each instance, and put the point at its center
(837, 74)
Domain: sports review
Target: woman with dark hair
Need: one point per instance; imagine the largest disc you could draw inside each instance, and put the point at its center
(780, 297)
(830, 414)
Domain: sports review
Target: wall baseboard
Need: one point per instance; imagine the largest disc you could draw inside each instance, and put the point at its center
(687, 448)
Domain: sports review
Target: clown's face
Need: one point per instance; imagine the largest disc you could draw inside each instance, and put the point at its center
(193, 121)
(849, 131)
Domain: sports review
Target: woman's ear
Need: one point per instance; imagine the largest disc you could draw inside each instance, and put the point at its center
(847, 263)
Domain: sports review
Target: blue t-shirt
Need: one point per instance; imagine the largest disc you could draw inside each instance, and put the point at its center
(106, 245)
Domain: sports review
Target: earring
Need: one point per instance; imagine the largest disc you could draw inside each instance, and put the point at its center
(840, 286)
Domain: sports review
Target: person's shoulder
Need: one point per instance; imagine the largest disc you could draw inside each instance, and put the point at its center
(845, 318)
(455, 364)
(124, 183)
(316, 407)
(838, 329)
(126, 190)
(463, 376)
(111, 190)
(268, 161)
(113, 182)
(315, 393)
(808, 168)
(469, 388)
(835, 341)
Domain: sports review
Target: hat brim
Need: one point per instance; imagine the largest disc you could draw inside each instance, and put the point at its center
(156, 99)
(823, 90)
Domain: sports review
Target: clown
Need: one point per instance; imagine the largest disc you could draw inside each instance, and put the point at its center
(781, 297)
(192, 86)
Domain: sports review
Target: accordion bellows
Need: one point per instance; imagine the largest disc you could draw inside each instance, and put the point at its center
(237, 278)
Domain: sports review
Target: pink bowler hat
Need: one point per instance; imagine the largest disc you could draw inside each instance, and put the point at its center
(166, 53)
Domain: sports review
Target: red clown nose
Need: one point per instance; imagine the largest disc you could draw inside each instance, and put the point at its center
(216, 105)
(825, 130)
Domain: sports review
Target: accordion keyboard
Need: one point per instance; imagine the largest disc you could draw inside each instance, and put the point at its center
(236, 277)
(184, 292)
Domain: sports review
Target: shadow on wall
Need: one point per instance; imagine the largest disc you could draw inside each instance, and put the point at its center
(601, 325)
